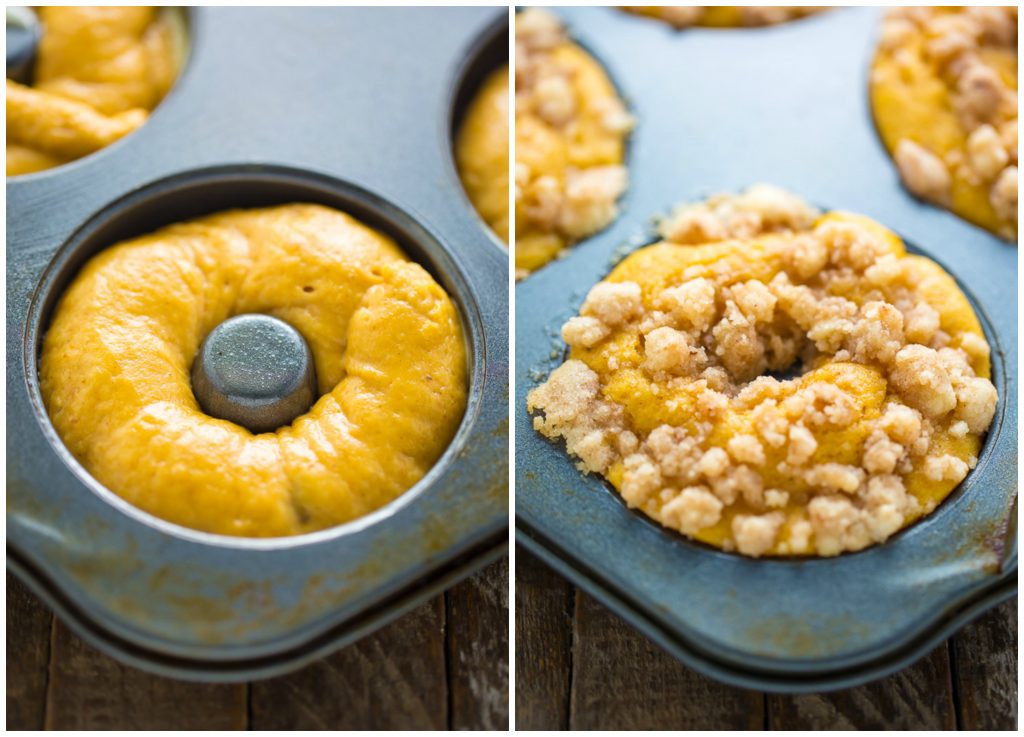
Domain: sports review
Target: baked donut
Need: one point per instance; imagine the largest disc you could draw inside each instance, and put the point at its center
(571, 131)
(722, 16)
(774, 381)
(481, 152)
(944, 97)
(98, 72)
(386, 341)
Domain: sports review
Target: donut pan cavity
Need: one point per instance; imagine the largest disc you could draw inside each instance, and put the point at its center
(719, 110)
(336, 116)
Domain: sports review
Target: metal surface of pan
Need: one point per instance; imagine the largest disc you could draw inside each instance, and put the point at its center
(719, 110)
(349, 107)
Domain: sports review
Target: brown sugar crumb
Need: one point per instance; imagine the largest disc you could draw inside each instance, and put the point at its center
(802, 445)
(924, 173)
(756, 534)
(1004, 193)
(945, 468)
(746, 449)
(574, 410)
(922, 381)
(584, 331)
(613, 304)
(667, 391)
(694, 509)
(668, 350)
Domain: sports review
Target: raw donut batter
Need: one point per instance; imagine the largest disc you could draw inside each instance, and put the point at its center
(98, 73)
(481, 152)
(385, 338)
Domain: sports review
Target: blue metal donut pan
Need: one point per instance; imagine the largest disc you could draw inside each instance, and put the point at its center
(349, 107)
(719, 110)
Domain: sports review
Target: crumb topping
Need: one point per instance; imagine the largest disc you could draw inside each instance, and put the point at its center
(795, 384)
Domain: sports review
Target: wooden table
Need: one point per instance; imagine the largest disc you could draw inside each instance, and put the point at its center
(579, 666)
(444, 665)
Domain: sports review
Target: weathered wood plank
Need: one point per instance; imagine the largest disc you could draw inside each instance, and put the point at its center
(89, 690)
(918, 697)
(985, 654)
(392, 679)
(477, 626)
(28, 657)
(544, 605)
(621, 680)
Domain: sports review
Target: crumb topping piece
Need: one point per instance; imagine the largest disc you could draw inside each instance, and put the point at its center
(794, 384)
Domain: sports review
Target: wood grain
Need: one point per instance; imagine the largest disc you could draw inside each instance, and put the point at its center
(543, 620)
(477, 625)
(918, 697)
(985, 670)
(28, 656)
(89, 690)
(392, 679)
(621, 680)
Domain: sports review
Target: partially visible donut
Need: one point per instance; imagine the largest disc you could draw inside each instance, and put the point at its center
(386, 340)
(481, 152)
(944, 97)
(571, 130)
(98, 72)
(676, 388)
(722, 16)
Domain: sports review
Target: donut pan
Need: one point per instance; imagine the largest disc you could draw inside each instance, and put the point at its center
(719, 110)
(350, 107)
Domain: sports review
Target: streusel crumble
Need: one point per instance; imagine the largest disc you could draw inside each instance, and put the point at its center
(774, 381)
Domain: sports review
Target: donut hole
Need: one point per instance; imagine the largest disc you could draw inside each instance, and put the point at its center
(793, 371)
(193, 194)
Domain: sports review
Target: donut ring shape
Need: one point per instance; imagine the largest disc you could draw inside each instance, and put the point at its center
(676, 387)
(386, 340)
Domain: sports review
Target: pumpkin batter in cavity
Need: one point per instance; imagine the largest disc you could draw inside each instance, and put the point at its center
(386, 340)
(722, 16)
(571, 130)
(944, 96)
(676, 388)
(98, 73)
(481, 152)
